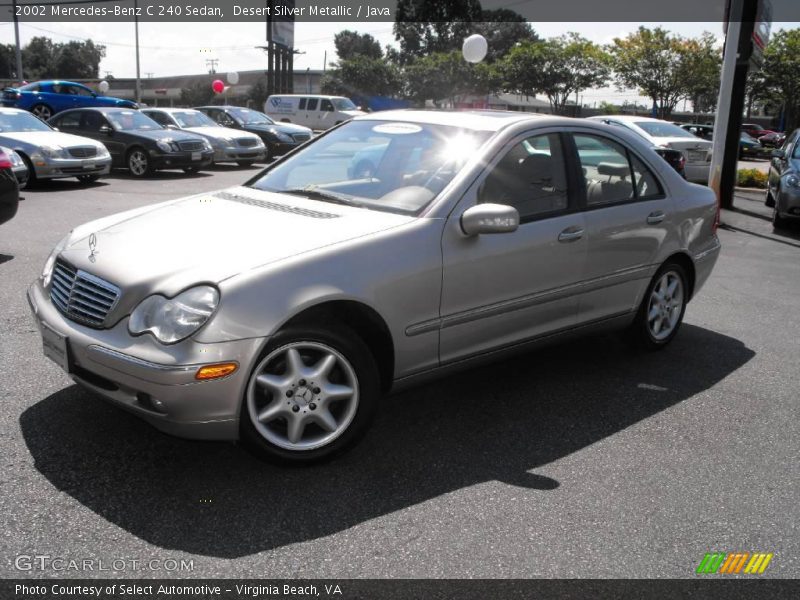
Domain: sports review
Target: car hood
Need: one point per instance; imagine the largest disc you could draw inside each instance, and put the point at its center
(219, 132)
(282, 127)
(211, 237)
(47, 138)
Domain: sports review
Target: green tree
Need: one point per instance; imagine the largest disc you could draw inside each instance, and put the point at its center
(362, 76)
(654, 62)
(198, 94)
(350, 44)
(702, 65)
(502, 28)
(446, 76)
(781, 71)
(43, 59)
(423, 27)
(257, 94)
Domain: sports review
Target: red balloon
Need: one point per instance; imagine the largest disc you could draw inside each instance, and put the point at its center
(218, 86)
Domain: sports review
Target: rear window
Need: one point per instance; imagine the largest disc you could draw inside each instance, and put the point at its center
(656, 129)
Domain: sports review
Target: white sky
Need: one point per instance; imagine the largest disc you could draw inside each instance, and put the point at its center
(182, 48)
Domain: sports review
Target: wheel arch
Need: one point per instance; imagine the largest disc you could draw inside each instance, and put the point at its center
(364, 321)
(684, 260)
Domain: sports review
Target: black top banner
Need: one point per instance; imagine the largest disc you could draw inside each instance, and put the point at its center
(367, 11)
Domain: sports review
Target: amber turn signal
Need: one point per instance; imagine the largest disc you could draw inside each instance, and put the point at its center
(216, 371)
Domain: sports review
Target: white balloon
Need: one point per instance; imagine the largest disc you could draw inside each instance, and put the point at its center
(103, 86)
(233, 78)
(474, 48)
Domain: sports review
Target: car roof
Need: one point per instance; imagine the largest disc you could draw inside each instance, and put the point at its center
(102, 109)
(167, 109)
(483, 120)
(629, 118)
(12, 111)
(60, 81)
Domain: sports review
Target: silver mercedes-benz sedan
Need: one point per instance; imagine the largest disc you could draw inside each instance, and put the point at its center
(278, 312)
(50, 154)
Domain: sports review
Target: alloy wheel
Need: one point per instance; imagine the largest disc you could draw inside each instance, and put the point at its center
(665, 306)
(137, 163)
(42, 111)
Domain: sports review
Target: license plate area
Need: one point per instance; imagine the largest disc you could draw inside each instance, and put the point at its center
(88, 165)
(197, 155)
(56, 347)
(697, 156)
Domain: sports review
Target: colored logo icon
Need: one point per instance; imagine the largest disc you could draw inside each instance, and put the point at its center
(733, 563)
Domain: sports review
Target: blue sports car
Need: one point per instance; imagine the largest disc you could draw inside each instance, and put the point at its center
(46, 98)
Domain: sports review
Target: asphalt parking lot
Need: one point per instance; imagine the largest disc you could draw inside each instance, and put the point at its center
(581, 460)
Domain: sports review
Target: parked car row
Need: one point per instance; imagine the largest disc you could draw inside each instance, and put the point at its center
(46, 98)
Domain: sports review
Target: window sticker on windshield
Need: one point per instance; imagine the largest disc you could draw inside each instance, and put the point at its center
(397, 128)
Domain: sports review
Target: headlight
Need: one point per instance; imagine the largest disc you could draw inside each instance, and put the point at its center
(47, 271)
(102, 152)
(54, 152)
(164, 146)
(793, 181)
(282, 137)
(206, 145)
(171, 320)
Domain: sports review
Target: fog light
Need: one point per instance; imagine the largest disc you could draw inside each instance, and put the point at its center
(216, 371)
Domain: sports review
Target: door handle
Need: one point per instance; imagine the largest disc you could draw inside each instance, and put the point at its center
(570, 234)
(655, 217)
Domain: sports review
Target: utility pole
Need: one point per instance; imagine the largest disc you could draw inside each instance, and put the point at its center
(18, 51)
(136, 30)
(212, 62)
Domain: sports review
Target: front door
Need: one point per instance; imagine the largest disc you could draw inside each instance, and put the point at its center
(501, 289)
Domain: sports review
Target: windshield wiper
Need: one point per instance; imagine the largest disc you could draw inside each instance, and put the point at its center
(317, 194)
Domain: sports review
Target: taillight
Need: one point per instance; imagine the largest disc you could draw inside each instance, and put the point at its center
(5, 161)
(715, 224)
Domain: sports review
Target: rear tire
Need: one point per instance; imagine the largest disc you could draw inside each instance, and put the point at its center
(245, 163)
(312, 395)
(42, 111)
(661, 312)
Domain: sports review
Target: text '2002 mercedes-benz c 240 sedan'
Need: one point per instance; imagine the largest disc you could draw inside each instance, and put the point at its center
(278, 312)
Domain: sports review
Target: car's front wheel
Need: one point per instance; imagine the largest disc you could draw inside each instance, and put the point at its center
(312, 395)
(88, 178)
(245, 163)
(138, 163)
(661, 311)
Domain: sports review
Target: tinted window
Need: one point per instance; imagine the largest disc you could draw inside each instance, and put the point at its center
(159, 117)
(131, 120)
(302, 104)
(312, 104)
(531, 177)
(326, 106)
(69, 121)
(606, 171)
(662, 129)
(92, 121)
(76, 90)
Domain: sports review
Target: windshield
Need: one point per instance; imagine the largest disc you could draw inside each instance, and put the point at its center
(22, 122)
(131, 120)
(392, 166)
(193, 118)
(245, 116)
(659, 129)
(343, 104)
(796, 153)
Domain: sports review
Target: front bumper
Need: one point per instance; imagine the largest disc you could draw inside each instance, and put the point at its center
(235, 154)
(155, 382)
(180, 160)
(56, 168)
(788, 203)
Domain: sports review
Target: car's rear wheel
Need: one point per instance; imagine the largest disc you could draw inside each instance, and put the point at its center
(191, 169)
(312, 395)
(245, 163)
(42, 111)
(138, 163)
(88, 178)
(661, 311)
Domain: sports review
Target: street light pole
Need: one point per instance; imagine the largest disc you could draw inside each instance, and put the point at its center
(18, 51)
(136, 29)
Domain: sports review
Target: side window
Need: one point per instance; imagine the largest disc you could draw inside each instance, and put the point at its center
(302, 104)
(79, 91)
(159, 118)
(531, 177)
(92, 121)
(312, 104)
(326, 106)
(69, 121)
(606, 170)
(647, 186)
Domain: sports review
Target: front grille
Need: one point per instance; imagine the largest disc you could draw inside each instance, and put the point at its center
(190, 146)
(301, 137)
(81, 296)
(247, 142)
(83, 152)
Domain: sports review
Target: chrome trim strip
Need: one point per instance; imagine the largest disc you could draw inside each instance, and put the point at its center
(499, 308)
(702, 255)
(142, 363)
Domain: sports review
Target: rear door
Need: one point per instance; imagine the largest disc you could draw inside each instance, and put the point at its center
(628, 217)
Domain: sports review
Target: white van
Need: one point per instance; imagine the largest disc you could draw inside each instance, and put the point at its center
(312, 110)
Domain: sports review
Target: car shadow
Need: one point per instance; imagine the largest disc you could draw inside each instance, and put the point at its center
(50, 185)
(4, 258)
(162, 174)
(499, 422)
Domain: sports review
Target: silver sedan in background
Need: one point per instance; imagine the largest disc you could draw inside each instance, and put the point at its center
(230, 145)
(278, 312)
(783, 182)
(51, 154)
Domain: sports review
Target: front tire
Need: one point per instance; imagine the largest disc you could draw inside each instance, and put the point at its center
(778, 222)
(88, 178)
(661, 311)
(769, 201)
(245, 163)
(191, 170)
(138, 163)
(311, 396)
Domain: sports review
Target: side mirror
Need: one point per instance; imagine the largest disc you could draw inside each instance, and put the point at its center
(106, 130)
(778, 153)
(56, 129)
(489, 218)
